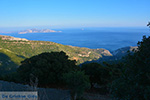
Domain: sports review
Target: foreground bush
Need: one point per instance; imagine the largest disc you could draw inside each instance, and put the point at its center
(47, 67)
(97, 73)
(77, 82)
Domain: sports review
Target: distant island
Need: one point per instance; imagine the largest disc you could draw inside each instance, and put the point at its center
(37, 31)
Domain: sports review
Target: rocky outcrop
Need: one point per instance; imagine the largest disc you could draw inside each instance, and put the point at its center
(12, 38)
(85, 55)
(104, 52)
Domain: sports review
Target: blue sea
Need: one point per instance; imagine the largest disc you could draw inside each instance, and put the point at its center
(107, 38)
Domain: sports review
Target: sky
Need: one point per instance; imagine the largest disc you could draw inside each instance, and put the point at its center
(74, 13)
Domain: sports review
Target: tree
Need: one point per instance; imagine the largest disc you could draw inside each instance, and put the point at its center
(77, 82)
(47, 67)
(148, 24)
(134, 83)
(97, 73)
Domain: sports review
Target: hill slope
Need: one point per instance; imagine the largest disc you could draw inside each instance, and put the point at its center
(8, 61)
(28, 48)
(123, 51)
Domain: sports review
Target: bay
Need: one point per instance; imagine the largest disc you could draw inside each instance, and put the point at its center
(107, 38)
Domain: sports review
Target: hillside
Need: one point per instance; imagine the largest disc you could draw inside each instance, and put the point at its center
(26, 48)
(116, 55)
(8, 61)
(123, 51)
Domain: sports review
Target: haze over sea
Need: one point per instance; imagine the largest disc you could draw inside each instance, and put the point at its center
(107, 38)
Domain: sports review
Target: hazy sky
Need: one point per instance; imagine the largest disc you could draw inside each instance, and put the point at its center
(74, 13)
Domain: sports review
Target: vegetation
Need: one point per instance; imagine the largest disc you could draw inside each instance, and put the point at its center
(8, 61)
(134, 83)
(97, 73)
(77, 82)
(47, 67)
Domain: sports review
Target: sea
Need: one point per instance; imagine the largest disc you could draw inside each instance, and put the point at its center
(93, 38)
